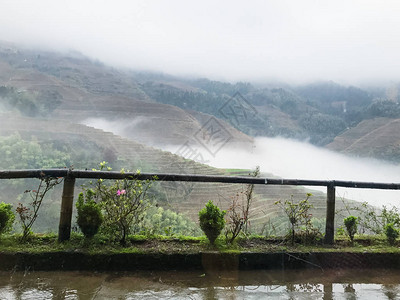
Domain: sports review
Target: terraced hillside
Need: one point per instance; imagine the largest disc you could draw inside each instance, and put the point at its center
(186, 198)
(160, 110)
(69, 90)
(83, 91)
(379, 137)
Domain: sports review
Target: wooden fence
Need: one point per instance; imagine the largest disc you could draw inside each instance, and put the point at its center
(70, 176)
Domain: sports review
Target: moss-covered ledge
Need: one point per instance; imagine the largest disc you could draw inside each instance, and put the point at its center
(207, 261)
(43, 252)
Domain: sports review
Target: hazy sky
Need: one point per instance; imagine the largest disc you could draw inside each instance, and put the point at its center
(347, 41)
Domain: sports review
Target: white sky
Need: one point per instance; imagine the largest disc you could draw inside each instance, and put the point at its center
(341, 40)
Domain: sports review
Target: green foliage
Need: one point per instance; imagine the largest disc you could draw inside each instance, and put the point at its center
(300, 218)
(89, 216)
(31, 152)
(390, 216)
(212, 221)
(351, 226)
(17, 153)
(48, 243)
(340, 231)
(160, 221)
(391, 233)
(7, 217)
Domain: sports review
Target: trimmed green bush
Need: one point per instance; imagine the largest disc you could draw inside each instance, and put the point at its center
(89, 216)
(391, 233)
(351, 226)
(7, 217)
(212, 221)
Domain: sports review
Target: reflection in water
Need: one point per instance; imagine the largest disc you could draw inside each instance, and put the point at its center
(271, 284)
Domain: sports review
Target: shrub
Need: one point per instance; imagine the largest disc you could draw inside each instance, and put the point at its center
(351, 226)
(239, 211)
(212, 221)
(7, 217)
(160, 221)
(89, 216)
(371, 219)
(124, 203)
(391, 233)
(340, 231)
(300, 217)
(236, 219)
(28, 214)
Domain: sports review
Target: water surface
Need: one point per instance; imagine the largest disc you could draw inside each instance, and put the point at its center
(298, 284)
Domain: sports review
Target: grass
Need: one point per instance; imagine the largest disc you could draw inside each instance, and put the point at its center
(38, 243)
(237, 172)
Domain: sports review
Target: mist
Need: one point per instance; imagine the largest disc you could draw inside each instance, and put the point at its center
(290, 159)
(288, 41)
(123, 129)
(281, 157)
(293, 159)
(293, 41)
(299, 160)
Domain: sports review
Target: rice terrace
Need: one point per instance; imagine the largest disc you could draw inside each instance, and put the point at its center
(199, 150)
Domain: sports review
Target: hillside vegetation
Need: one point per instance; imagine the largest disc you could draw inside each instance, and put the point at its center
(33, 143)
(70, 86)
(47, 101)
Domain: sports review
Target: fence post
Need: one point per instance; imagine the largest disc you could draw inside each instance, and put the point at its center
(64, 229)
(330, 215)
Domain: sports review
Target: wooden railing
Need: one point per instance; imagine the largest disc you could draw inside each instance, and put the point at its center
(70, 176)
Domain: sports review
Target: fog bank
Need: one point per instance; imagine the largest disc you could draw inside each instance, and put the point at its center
(344, 41)
(298, 160)
(117, 127)
(285, 158)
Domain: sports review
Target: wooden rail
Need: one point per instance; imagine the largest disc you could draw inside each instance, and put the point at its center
(70, 176)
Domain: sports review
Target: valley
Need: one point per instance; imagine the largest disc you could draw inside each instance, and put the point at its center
(67, 103)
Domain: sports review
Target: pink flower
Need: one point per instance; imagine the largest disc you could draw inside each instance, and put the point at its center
(121, 192)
